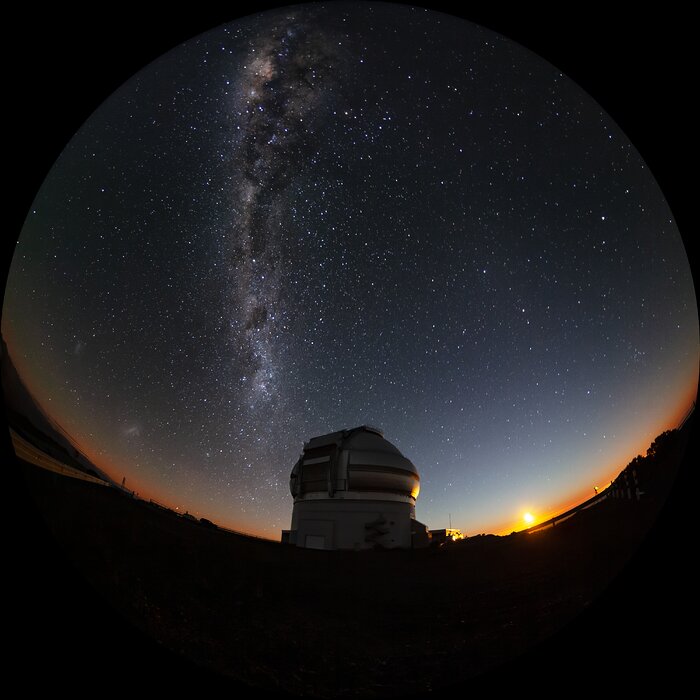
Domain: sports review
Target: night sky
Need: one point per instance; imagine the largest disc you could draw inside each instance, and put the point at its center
(331, 215)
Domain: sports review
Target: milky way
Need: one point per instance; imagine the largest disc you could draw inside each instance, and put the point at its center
(339, 214)
(278, 101)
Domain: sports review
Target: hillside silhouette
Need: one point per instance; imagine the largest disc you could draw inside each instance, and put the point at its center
(343, 624)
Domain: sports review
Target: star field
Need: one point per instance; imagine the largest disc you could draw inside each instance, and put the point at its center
(330, 215)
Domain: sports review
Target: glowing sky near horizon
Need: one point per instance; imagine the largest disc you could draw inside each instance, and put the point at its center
(331, 215)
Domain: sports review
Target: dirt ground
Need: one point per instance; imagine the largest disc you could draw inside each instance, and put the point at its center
(114, 590)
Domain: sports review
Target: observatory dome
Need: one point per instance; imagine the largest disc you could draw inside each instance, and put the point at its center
(353, 489)
(358, 460)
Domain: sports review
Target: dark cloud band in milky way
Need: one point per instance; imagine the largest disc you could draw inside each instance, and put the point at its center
(280, 102)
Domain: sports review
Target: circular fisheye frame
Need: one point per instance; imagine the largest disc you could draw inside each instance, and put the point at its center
(348, 349)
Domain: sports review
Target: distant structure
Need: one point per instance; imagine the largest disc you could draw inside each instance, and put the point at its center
(448, 534)
(353, 489)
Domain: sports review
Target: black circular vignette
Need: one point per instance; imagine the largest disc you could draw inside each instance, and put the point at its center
(637, 68)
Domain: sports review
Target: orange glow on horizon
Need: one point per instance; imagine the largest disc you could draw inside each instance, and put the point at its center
(145, 490)
(610, 471)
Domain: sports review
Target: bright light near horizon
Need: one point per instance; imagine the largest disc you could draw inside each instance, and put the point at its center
(529, 518)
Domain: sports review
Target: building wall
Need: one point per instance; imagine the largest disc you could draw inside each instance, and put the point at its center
(343, 524)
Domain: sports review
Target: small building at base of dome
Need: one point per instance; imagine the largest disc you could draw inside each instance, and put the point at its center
(353, 489)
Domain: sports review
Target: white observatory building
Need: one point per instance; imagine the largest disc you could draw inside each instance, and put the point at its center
(354, 490)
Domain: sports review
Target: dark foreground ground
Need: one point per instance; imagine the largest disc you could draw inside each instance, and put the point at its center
(480, 613)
